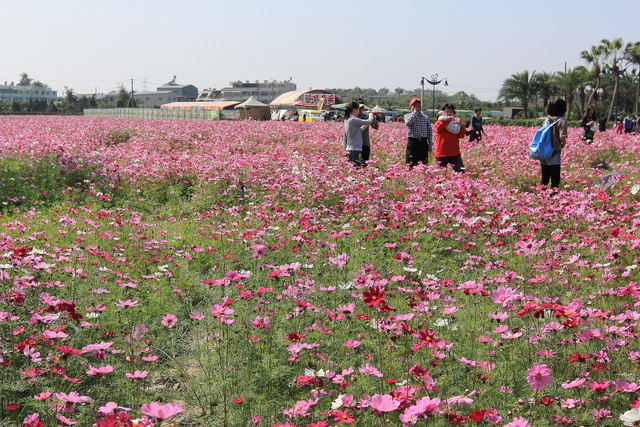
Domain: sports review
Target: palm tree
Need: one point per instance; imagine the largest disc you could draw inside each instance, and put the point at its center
(626, 90)
(632, 54)
(593, 56)
(611, 50)
(573, 82)
(545, 86)
(519, 86)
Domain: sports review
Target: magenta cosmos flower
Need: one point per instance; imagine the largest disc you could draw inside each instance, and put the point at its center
(169, 320)
(160, 412)
(100, 371)
(539, 376)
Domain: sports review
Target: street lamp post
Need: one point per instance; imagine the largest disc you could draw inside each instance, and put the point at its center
(433, 82)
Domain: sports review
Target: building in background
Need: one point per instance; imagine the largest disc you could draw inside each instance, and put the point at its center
(184, 93)
(11, 93)
(149, 99)
(264, 92)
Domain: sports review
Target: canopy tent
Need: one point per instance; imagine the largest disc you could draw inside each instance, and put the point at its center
(309, 98)
(253, 109)
(218, 105)
(250, 103)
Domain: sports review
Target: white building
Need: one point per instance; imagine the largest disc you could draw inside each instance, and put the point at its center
(264, 92)
(11, 93)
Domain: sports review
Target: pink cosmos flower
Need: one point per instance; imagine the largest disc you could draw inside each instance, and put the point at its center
(598, 387)
(127, 303)
(539, 376)
(352, 344)
(518, 422)
(463, 399)
(600, 413)
(502, 295)
(42, 396)
(65, 420)
(578, 382)
(380, 403)
(136, 375)
(196, 315)
(427, 404)
(299, 409)
(160, 412)
(410, 415)
(110, 407)
(52, 335)
(169, 320)
(368, 369)
(100, 371)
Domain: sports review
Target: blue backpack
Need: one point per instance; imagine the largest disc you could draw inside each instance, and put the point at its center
(541, 147)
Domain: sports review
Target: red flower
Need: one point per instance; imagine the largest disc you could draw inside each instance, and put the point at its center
(274, 273)
(546, 400)
(385, 308)
(454, 418)
(343, 417)
(295, 337)
(478, 415)
(12, 406)
(577, 357)
(373, 297)
(238, 400)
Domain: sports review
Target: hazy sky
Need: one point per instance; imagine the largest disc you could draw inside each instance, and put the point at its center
(92, 45)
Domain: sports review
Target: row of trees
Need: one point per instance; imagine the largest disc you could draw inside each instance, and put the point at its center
(69, 103)
(400, 97)
(612, 80)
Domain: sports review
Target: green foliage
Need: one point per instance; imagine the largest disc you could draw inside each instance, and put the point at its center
(45, 182)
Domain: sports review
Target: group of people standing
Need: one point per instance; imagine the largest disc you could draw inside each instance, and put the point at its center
(590, 124)
(628, 124)
(449, 129)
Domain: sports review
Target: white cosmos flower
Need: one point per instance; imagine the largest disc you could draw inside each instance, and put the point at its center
(338, 402)
(630, 418)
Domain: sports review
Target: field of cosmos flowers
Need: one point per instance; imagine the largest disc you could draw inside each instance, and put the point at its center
(242, 273)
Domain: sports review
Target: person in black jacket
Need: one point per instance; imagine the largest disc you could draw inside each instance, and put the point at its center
(476, 131)
(588, 125)
(602, 123)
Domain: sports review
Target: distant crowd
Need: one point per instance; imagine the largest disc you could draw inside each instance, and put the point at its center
(450, 129)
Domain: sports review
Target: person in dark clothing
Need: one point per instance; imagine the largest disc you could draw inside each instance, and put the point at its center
(419, 134)
(602, 123)
(476, 131)
(588, 125)
(550, 168)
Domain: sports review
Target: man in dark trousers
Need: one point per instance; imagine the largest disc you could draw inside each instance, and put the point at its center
(476, 131)
(418, 134)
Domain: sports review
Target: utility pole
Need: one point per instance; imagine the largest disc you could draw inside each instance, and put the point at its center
(132, 99)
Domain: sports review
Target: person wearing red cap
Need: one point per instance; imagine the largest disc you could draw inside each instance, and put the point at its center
(418, 134)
